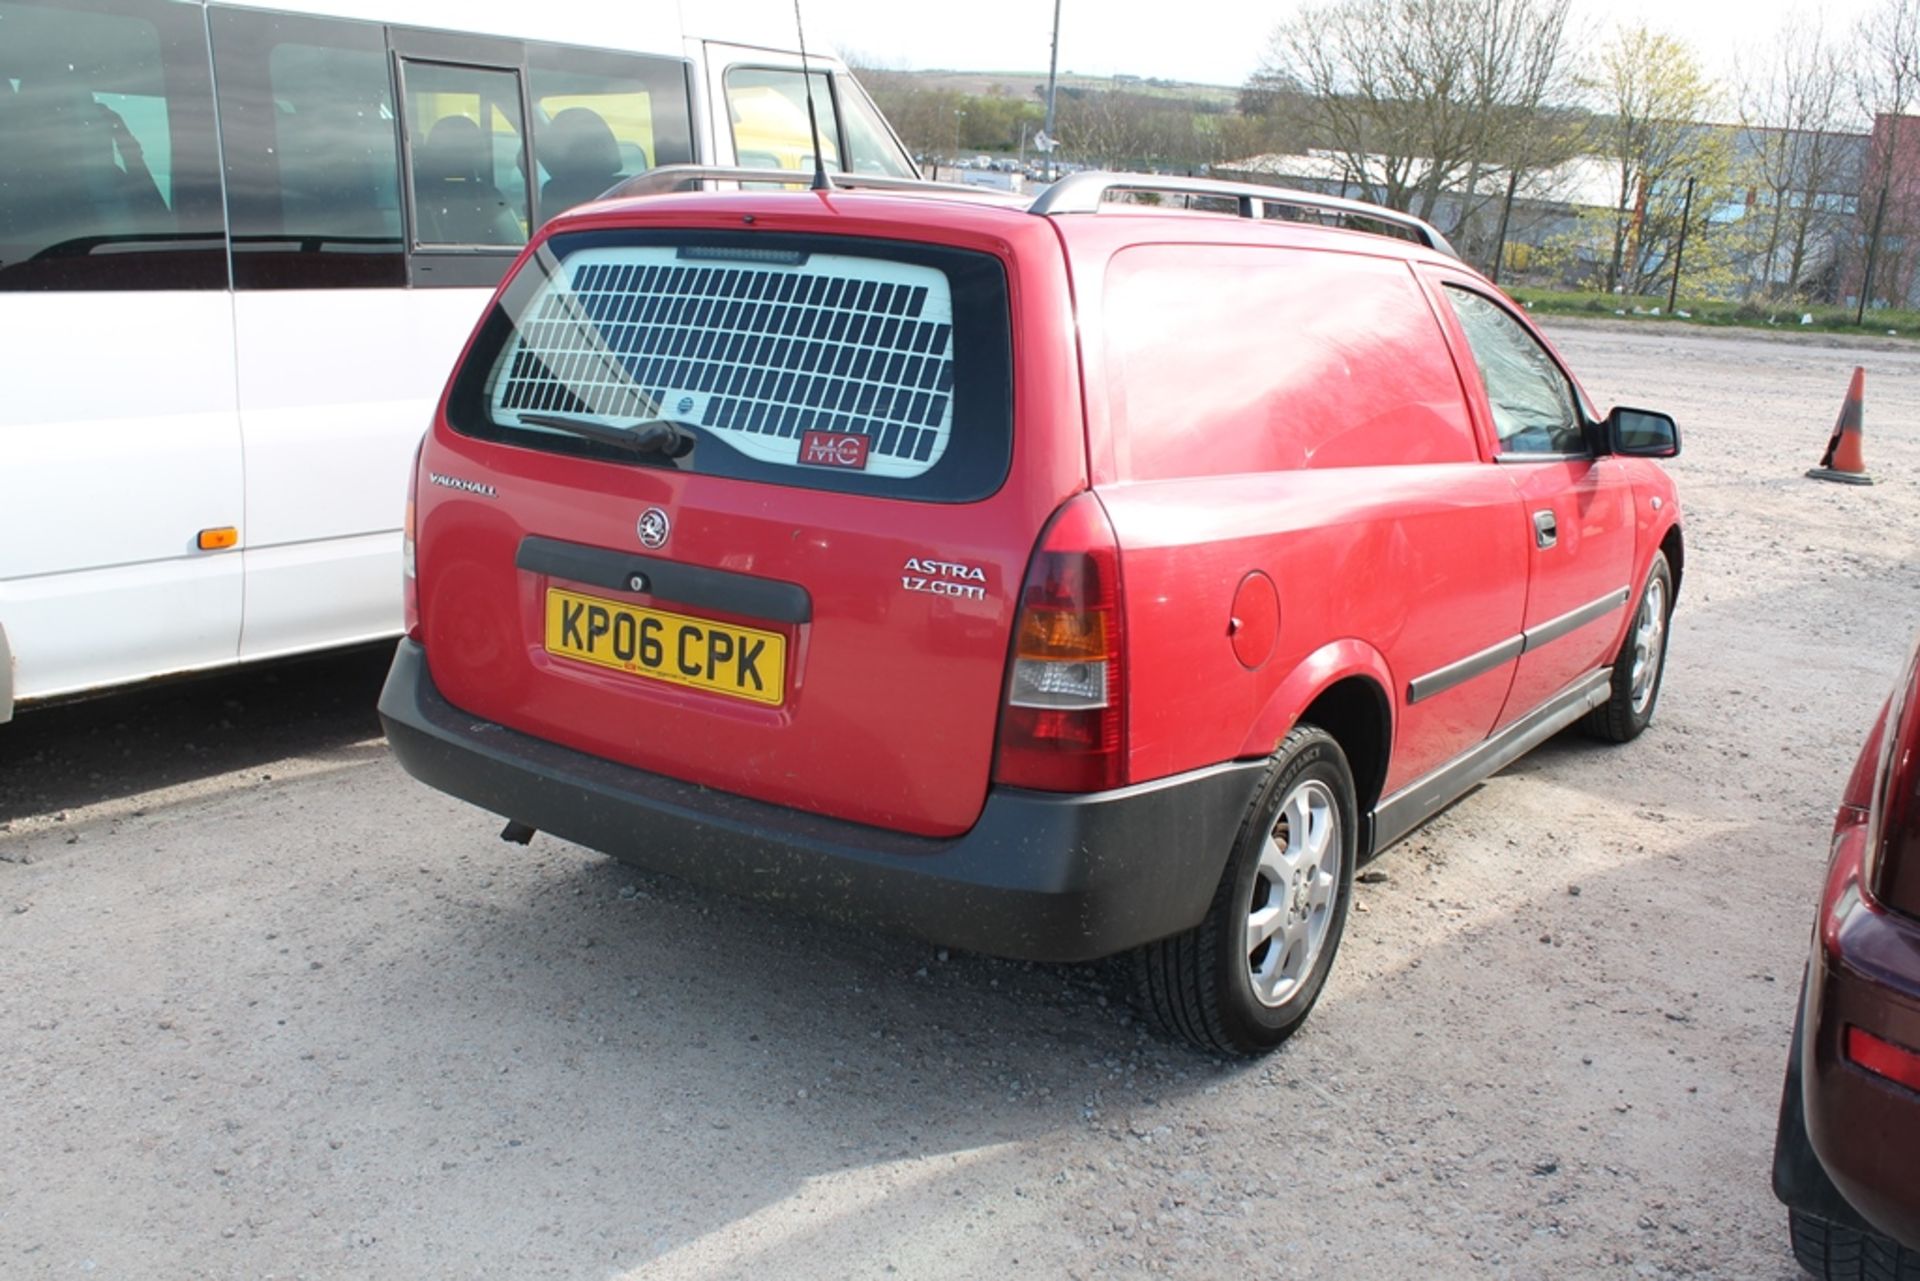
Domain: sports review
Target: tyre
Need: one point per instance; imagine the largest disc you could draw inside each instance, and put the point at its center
(1638, 666)
(1244, 979)
(1835, 1253)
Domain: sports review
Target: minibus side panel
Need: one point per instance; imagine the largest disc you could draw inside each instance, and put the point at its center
(119, 435)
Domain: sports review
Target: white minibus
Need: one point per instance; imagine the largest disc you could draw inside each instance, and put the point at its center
(240, 247)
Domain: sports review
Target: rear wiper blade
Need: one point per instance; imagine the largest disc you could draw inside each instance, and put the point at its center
(665, 436)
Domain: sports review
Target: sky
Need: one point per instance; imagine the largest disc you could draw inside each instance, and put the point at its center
(1214, 41)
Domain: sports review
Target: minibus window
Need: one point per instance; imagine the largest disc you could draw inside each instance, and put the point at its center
(769, 113)
(870, 146)
(107, 177)
(601, 118)
(464, 130)
(311, 143)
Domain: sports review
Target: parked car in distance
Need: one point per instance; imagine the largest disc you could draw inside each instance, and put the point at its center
(1047, 579)
(1847, 1155)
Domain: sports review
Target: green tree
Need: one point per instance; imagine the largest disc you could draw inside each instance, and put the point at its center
(1653, 94)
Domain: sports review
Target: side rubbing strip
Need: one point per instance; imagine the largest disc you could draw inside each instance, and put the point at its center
(1465, 670)
(1445, 678)
(667, 580)
(1555, 628)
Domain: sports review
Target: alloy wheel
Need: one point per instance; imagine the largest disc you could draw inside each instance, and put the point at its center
(1293, 892)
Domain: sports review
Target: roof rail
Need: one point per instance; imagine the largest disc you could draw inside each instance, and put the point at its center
(669, 178)
(1084, 192)
(1075, 193)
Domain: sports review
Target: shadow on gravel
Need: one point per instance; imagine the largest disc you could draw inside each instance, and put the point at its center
(125, 743)
(651, 1064)
(654, 1081)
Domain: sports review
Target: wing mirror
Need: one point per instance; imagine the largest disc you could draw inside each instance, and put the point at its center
(1641, 433)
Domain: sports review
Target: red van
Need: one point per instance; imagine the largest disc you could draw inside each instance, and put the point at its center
(1045, 579)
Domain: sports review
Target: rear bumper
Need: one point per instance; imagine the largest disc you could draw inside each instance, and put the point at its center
(1865, 973)
(1039, 877)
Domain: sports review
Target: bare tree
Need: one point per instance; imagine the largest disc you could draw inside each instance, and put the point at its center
(1653, 93)
(1521, 65)
(1115, 128)
(1792, 107)
(1421, 98)
(1887, 88)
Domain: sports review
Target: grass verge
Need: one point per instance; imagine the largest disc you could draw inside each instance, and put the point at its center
(1718, 311)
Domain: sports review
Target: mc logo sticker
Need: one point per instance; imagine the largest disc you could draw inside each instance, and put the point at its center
(834, 449)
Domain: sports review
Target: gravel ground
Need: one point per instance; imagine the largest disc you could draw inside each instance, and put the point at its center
(272, 1009)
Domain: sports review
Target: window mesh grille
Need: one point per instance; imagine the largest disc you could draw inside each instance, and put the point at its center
(757, 353)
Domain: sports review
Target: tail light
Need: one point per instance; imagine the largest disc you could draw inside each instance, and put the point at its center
(1063, 726)
(409, 571)
(1883, 1058)
(1893, 836)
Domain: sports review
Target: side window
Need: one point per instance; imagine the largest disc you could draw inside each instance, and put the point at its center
(312, 151)
(107, 152)
(464, 137)
(1223, 360)
(600, 118)
(870, 146)
(1533, 406)
(768, 109)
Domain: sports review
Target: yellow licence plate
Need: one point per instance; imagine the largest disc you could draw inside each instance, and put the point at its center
(744, 662)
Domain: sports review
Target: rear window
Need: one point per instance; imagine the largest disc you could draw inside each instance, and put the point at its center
(862, 366)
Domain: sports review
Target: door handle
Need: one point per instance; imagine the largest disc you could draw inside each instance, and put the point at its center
(1546, 529)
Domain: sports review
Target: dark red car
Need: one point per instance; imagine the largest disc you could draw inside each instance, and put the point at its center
(1047, 580)
(1847, 1159)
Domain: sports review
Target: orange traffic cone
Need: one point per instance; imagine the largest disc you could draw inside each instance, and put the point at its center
(1843, 460)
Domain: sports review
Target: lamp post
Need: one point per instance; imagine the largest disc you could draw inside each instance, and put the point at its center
(1873, 254)
(1053, 69)
(1680, 249)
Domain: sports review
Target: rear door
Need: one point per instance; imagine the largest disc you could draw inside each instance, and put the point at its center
(1577, 509)
(119, 442)
(361, 265)
(813, 606)
(339, 361)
